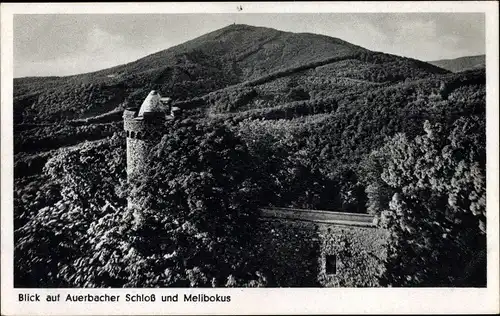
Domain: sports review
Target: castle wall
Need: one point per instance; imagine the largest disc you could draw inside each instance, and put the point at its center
(322, 254)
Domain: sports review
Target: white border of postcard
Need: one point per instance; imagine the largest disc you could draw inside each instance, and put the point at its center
(258, 301)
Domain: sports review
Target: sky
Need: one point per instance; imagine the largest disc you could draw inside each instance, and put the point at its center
(65, 44)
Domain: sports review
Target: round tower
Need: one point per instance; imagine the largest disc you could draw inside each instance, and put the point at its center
(144, 127)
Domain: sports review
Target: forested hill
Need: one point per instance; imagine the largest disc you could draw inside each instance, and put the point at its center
(462, 63)
(233, 55)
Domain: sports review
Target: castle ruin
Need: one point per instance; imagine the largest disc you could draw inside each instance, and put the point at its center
(145, 127)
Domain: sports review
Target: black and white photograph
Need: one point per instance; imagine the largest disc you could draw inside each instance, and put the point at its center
(250, 150)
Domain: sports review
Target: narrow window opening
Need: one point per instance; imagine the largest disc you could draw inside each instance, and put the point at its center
(331, 264)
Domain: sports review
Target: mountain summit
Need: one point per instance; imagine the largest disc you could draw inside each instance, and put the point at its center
(231, 56)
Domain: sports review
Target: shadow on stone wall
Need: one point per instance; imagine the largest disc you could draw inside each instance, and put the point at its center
(288, 253)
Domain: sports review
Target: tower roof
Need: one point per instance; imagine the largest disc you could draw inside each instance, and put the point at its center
(154, 103)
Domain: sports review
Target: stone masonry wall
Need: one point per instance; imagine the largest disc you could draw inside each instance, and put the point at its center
(354, 255)
(143, 133)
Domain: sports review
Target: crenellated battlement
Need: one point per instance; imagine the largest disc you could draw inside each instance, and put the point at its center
(148, 127)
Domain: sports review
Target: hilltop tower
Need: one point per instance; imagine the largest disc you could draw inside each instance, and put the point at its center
(144, 128)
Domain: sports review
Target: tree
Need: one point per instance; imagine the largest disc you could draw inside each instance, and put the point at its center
(436, 214)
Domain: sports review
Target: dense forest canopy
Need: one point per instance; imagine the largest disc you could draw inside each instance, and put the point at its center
(273, 119)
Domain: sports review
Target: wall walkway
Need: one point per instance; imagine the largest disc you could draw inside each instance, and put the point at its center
(317, 216)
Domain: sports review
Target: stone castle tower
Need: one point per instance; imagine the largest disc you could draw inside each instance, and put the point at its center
(144, 127)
